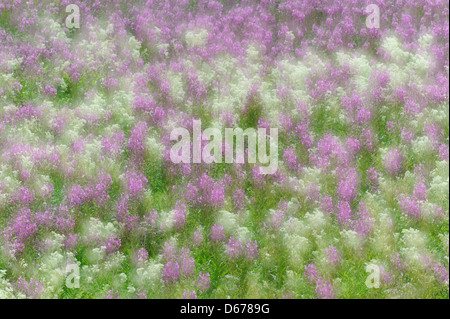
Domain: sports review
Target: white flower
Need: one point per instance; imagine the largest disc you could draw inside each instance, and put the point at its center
(167, 220)
(131, 289)
(176, 85)
(439, 185)
(134, 45)
(123, 277)
(243, 233)
(148, 275)
(419, 64)
(96, 227)
(422, 147)
(6, 289)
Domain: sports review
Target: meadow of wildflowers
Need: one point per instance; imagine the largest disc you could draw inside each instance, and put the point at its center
(91, 205)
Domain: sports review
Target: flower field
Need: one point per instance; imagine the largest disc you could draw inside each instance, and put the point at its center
(93, 206)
